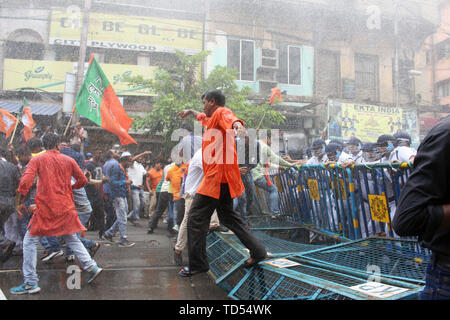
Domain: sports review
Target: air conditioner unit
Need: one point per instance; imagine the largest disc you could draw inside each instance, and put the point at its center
(269, 58)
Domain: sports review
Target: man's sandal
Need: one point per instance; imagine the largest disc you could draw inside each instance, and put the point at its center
(186, 273)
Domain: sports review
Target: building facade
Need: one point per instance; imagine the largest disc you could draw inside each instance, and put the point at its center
(323, 54)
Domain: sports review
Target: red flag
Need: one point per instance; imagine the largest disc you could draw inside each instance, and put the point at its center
(7, 122)
(28, 123)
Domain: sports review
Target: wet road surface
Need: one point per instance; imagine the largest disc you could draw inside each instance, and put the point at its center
(145, 271)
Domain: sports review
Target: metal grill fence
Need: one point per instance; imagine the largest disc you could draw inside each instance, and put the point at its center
(350, 211)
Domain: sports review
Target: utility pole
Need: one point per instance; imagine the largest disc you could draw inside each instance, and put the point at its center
(205, 32)
(82, 51)
(434, 98)
(396, 67)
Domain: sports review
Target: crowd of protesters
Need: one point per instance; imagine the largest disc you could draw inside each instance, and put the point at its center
(109, 187)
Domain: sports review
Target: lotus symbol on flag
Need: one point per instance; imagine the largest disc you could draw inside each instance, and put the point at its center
(8, 122)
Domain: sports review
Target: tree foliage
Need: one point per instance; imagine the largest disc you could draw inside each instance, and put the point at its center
(181, 86)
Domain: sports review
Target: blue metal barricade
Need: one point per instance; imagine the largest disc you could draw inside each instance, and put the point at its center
(354, 202)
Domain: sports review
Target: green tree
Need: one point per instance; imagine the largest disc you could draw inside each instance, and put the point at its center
(180, 87)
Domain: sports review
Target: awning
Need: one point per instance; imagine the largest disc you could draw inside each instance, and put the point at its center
(37, 109)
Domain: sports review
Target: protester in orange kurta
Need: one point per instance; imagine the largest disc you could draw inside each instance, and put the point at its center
(221, 183)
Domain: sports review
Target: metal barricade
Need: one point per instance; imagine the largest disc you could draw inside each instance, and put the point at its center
(353, 203)
(377, 192)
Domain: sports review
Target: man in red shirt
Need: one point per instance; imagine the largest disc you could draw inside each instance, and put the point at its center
(55, 213)
(221, 183)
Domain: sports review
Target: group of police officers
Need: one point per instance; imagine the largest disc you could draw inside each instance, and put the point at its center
(388, 148)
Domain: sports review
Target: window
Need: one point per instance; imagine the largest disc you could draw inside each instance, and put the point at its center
(443, 88)
(24, 50)
(241, 57)
(443, 49)
(366, 77)
(121, 57)
(66, 53)
(289, 71)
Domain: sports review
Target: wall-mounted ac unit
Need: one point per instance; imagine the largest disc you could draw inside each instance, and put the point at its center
(269, 58)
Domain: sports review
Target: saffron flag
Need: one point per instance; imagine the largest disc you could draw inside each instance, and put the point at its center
(7, 122)
(276, 93)
(27, 120)
(98, 102)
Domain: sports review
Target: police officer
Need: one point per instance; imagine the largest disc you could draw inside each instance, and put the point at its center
(403, 152)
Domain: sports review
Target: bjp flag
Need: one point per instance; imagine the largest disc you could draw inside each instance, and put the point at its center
(7, 122)
(28, 123)
(98, 102)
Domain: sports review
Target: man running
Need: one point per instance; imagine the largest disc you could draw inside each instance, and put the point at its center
(55, 213)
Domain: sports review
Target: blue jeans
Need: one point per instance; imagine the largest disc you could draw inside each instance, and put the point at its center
(273, 194)
(121, 208)
(23, 224)
(137, 198)
(437, 282)
(50, 243)
(30, 243)
(88, 244)
(171, 216)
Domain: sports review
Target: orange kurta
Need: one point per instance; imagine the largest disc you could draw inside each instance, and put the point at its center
(55, 212)
(219, 159)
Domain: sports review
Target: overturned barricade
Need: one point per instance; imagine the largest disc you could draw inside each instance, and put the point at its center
(332, 241)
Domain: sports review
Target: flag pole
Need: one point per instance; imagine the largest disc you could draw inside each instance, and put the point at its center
(14, 132)
(70, 120)
(19, 115)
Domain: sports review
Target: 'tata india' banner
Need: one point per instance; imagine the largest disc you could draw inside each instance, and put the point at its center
(366, 122)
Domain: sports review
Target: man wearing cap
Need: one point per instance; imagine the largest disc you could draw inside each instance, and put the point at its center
(354, 147)
(332, 151)
(385, 145)
(343, 156)
(403, 152)
(370, 154)
(120, 185)
(318, 152)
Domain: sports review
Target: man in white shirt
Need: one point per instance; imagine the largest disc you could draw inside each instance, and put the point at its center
(318, 152)
(385, 145)
(193, 179)
(137, 173)
(403, 152)
(354, 146)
